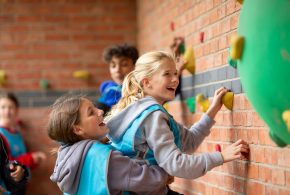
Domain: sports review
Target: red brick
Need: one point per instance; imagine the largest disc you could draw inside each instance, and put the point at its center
(253, 171)
(287, 173)
(264, 137)
(257, 154)
(278, 176)
(284, 191)
(239, 185)
(254, 188)
(265, 174)
(234, 21)
(272, 190)
(284, 157)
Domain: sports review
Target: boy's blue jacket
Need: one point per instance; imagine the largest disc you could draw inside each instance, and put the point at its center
(111, 93)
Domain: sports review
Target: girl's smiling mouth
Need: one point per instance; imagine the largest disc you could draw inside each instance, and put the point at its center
(102, 124)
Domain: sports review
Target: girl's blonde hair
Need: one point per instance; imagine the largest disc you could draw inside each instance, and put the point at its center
(63, 116)
(132, 88)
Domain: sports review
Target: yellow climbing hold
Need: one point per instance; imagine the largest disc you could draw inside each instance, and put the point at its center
(189, 59)
(240, 1)
(2, 77)
(228, 100)
(286, 118)
(203, 102)
(81, 74)
(237, 45)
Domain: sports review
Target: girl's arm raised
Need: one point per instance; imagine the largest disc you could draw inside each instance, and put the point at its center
(168, 156)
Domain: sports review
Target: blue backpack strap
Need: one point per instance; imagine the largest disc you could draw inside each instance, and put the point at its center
(173, 128)
(126, 143)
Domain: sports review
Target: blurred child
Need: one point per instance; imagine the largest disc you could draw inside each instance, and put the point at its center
(9, 130)
(121, 60)
(84, 164)
(142, 129)
(13, 176)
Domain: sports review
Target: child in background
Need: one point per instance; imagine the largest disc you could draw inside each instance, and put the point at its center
(121, 60)
(142, 129)
(84, 164)
(13, 175)
(9, 130)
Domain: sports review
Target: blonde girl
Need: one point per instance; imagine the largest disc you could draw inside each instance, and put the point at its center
(142, 129)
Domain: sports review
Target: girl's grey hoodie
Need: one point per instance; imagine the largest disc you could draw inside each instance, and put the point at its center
(123, 173)
(156, 135)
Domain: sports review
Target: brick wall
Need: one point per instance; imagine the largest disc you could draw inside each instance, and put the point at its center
(268, 168)
(44, 39)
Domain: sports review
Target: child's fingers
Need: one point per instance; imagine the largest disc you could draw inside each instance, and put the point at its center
(16, 170)
(12, 167)
(237, 142)
(17, 174)
(218, 91)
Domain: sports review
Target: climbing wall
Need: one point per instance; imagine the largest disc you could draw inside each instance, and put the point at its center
(208, 26)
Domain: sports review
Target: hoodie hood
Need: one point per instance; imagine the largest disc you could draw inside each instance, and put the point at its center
(69, 163)
(119, 123)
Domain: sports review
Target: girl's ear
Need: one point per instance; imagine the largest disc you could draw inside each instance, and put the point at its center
(77, 130)
(145, 83)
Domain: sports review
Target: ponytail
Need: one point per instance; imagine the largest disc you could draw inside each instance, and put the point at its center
(131, 92)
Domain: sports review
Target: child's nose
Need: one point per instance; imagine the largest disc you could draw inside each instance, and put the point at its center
(175, 79)
(100, 112)
(118, 68)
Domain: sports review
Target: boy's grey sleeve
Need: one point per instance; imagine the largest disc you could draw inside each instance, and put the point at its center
(168, 156)
(124, 174)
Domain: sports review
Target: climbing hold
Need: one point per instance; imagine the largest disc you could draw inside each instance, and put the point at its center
(166, 106)
(203, 102)
(228, 100)
(237, 44)
(231, 62)
(81, 74)
(43, 84)
(172, 26)
(189, 60)
(201, 37)
(218, 148)
(286, 118)
(276, 139)
(2, 77)
(178, 46)
(181, 48)
(264, 68)
(240, 1)
(190, 102)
